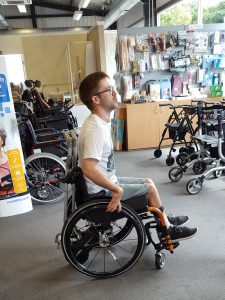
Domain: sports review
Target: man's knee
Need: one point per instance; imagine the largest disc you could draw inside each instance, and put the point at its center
(150, 182)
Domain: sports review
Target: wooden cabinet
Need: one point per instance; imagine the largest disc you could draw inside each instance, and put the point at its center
(144, 124)
(141, 126)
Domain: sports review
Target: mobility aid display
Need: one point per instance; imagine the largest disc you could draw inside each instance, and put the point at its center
(177, 126)
(194, 186)
(57, 116)
(206, 138)
(43, 170)
(102, 244)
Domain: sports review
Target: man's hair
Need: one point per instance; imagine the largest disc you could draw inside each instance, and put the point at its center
(89, 87)
(3, 136)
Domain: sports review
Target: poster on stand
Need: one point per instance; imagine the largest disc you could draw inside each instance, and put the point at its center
(14, 196)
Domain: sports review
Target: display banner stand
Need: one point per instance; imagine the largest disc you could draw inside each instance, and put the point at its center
(14, 196)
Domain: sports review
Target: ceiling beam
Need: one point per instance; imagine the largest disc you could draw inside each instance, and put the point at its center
(54, 5)
(47, 16)
(167, 5)
(33, 15)
(69, 8)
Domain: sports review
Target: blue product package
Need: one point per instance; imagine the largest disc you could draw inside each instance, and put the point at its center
(165, 89)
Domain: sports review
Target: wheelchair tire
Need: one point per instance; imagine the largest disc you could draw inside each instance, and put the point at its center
(92, 244)
(44, 171)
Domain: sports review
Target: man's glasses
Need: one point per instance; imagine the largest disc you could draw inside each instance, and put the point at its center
(111, 89)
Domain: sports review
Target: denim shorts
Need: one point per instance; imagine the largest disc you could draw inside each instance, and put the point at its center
(131, 187)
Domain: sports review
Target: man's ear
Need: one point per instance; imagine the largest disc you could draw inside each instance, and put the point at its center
(95, 99)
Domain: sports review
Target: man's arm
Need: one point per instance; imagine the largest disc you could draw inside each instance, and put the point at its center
(91, 171)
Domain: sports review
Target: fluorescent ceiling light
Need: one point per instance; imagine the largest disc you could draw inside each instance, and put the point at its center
(77, 15)
(83, 3)
(15, 2)
(22, 8)
(3, 21)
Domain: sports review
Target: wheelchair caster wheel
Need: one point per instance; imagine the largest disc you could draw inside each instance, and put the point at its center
(157, 153)
(199, 167)
(160, 260)
(194, 186)
(182, 158)
(170, 161)
(175, 174)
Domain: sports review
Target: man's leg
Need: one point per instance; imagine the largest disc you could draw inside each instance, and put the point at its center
(139, 186)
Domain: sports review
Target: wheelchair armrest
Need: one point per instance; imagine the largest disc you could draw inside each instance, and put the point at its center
(47, 143)
(49, 135)
(37, 131)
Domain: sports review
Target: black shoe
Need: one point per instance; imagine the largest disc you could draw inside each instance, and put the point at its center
(179, 220)
(181, 233)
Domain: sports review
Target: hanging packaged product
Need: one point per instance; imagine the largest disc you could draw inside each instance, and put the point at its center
(126, 88)
(153, 89)
(177, 85)
(165, 89)
(179, 60)
(123, 54)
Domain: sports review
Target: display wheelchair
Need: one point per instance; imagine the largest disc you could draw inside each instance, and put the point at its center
(104, 244)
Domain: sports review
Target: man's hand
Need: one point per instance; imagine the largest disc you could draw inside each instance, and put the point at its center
(114, 204)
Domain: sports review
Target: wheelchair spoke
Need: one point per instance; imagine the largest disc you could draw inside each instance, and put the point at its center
(93, 258)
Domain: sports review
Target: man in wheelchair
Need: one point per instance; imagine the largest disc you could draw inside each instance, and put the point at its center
(96, 157)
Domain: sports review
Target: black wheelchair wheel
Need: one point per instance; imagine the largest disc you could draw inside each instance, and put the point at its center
(102, 244)
(44, 172)
(157, 153)
(122, 231)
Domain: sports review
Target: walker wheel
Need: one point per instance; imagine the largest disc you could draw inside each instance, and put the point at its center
(191, 149)
(194, 186)
(199, 167)
(157, 153)
(218, 174)
(183, 149)
(170, 161)
(160, 260)
(175, 174)
(182, 158)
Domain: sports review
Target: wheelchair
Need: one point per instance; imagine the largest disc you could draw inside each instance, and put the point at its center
(103, 244)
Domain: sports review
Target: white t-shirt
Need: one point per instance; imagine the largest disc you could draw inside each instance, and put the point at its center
(95, 141)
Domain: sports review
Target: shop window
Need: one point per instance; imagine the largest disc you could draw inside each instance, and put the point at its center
(213, 12)
(182, 13)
